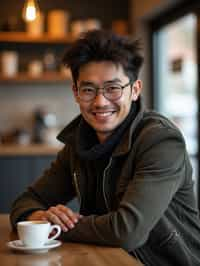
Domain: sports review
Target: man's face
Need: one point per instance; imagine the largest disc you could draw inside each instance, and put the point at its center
(100, 113)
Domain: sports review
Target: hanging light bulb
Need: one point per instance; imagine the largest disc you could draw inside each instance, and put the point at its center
(30, 10)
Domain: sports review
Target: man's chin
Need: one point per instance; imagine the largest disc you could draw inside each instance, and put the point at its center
(105, 131)
(105, 128)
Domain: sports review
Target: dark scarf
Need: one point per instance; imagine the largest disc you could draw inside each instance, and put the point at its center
(88, 146)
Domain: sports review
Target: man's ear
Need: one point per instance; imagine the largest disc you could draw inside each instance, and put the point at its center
(136, 89)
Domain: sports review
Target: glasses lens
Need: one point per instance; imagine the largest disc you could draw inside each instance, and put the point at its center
(87, 93)
(113, 92)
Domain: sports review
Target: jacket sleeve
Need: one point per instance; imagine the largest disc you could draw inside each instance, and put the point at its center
(53, 187)
(160, 169)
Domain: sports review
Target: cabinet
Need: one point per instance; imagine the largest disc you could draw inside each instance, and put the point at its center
(30, 48)
(17, 173)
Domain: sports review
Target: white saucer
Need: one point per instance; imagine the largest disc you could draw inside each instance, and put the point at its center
(18, 245)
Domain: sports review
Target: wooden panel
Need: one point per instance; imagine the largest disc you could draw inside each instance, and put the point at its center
(28, 150)
(44, 77)
(23, 37)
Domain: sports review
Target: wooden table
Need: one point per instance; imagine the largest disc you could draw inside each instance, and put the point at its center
(68, 254)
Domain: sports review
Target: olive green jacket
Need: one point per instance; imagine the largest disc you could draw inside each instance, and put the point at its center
(152, 212)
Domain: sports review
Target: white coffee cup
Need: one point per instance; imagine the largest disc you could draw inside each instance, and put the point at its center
(35, 234)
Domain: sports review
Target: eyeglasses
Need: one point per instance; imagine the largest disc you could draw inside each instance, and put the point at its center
(112, 92)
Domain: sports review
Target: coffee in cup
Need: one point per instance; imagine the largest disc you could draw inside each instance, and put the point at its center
(35, 234)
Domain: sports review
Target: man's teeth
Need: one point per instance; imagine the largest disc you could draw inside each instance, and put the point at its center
(104, 114)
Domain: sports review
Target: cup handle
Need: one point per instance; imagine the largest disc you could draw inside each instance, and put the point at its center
(58, 228)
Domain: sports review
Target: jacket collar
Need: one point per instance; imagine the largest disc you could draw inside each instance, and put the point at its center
(125, 144)
(67, 135)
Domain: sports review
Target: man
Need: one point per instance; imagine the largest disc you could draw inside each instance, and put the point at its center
(128, 166)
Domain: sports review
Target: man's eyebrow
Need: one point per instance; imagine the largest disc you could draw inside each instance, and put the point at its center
(112, 81)
(85, 82)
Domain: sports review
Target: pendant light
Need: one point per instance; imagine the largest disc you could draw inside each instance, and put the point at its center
(30, 10)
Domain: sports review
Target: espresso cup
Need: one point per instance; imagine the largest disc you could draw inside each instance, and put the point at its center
(35, 234)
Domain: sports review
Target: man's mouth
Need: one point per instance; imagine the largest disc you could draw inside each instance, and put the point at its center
(103, 114)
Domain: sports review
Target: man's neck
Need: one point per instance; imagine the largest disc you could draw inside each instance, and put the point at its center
(103, 136)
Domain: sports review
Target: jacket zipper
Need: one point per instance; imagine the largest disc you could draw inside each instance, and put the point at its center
(104, 194)
(106, 202)
(77, 187)
(104, 176)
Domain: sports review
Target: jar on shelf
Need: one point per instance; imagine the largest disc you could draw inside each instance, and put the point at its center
(49, 61)
(35, 68)
(77, 28)
(57, 22)
(92, 24)
(36, 27)
(9, 63)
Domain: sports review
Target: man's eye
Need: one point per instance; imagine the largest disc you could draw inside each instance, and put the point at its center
(87, 90)
(113, 88)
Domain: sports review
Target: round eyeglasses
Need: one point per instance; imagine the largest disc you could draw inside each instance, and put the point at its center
(112, 92)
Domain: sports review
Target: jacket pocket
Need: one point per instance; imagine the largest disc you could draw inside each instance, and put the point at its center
(175, 249)
(171, 251)
(168, 244)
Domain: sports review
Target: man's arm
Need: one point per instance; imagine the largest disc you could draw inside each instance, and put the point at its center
(160, 169)
(52, 189)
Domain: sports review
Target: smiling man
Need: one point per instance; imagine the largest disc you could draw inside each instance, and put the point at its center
(127, 165)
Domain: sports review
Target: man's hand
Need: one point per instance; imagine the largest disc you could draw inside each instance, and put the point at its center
(58, 214)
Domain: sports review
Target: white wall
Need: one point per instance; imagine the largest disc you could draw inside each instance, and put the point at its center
(18, 102)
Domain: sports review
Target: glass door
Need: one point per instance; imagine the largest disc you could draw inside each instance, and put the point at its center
(175, 63)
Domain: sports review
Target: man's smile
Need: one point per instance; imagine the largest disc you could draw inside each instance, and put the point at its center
(107, 113)
(102, 115)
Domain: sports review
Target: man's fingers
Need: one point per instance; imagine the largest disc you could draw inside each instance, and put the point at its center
(53, 218)
(62, 216)
(74, 217)
(65, 216)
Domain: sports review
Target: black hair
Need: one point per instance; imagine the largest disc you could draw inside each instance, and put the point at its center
(101, 45)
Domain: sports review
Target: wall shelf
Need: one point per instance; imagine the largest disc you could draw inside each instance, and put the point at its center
(24, 37)
(45, 77)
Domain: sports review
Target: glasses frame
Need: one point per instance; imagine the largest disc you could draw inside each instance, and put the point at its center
(97, 89)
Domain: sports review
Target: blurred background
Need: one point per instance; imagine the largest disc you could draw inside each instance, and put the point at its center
(36, 100)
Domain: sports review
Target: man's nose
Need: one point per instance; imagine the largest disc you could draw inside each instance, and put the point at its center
(100, 99)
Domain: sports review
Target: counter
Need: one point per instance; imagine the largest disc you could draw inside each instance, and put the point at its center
(33, 149)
